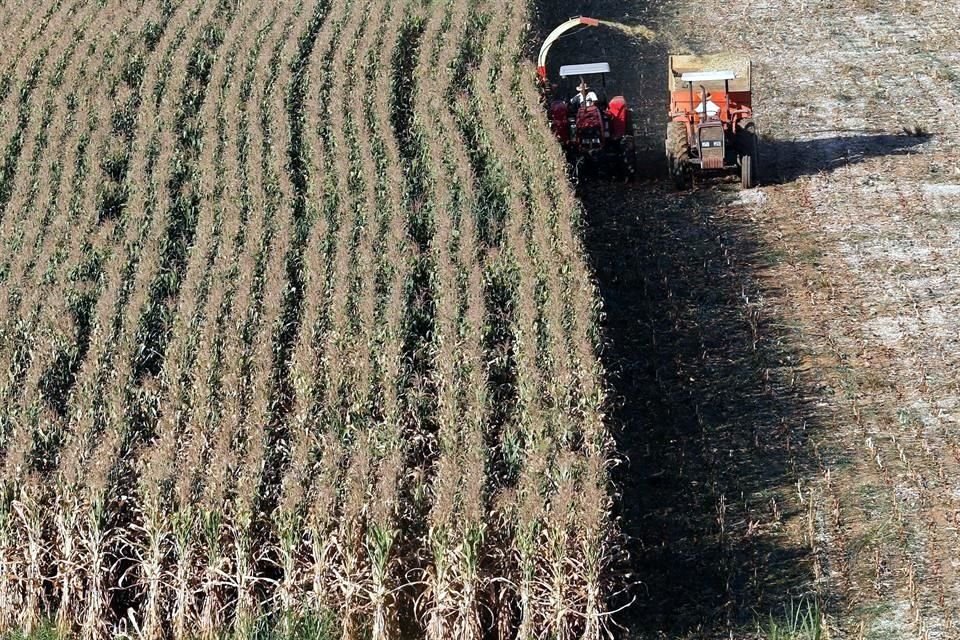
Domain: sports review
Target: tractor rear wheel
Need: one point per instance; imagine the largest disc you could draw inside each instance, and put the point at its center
(678, 155)
(749, 154)
(746, 172)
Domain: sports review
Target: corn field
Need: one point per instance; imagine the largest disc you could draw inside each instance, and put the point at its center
(296, 332)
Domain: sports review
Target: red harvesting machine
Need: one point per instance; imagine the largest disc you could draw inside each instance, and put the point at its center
(596, 133)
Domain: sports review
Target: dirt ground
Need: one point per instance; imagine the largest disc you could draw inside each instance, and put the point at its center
(784, 361)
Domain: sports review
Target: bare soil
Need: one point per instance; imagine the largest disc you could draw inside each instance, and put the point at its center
(784, 361)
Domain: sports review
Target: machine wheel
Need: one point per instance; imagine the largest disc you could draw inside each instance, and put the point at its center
(746, 172)
(678, 155)
(749, 155)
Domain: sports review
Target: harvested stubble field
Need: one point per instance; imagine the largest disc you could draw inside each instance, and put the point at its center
(785, 360)
(297, 335)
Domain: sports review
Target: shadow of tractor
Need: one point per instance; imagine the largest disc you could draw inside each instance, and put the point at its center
(784, 161)
(710, 407)
(707, 410)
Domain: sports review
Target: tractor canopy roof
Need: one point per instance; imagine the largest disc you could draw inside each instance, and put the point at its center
(572, 70)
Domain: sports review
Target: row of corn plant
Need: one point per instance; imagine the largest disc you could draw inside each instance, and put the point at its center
(161, 545)
(442, 481)
(20, 227)
(27, 217)
(225, 523)
(336, 386)
(580, 319)
(22, 129)
(336, 204)
(282, 437)
(20, 459)
(324, 131)
(333, 588)
(133, 391)
(114, 18)
(347, 408)
(26, 34)
(23, 488)
(303, 306)
(549, 469)
(249, 545)
(419, 394)
(125, 91)
(552, 585)
(114, 42)
(27, 70)
(19, 230)
(488, 282)
(321, 398)
(471, 570)
(34, 268)
(92, 253)
(581, 400)
(86, 254)
(453, 581)
(202, 518)
(131, 245)
(380, 278)
(392, 246)
(506, 330)
(305, 519)
(544, 589)
(525, 442)
(351, 407)
(22, 34)
(377, 440)
(20, 63)
(598, 542)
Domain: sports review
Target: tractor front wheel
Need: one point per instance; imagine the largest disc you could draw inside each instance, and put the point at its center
(678, 155)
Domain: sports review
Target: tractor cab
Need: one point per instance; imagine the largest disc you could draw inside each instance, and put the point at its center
(593, 74)
(589, 127)
(711, 137)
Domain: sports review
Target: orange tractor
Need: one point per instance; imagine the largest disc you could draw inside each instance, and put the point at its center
(711, 127)
(596, 133)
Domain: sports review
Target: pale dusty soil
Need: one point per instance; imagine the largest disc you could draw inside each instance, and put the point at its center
(786, 360)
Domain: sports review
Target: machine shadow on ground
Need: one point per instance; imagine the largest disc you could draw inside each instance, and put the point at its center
(784, 161)
(713, 438)
(709, 404)
(707, 412)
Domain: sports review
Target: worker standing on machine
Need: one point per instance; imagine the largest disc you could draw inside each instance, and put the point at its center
(584, 94)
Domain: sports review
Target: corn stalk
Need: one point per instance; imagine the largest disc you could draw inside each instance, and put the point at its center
(30, 513)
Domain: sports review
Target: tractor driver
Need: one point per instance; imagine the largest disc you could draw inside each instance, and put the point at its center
(584, 95)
